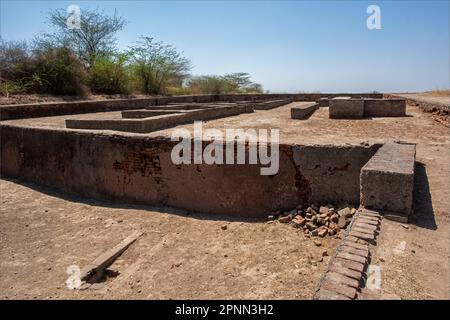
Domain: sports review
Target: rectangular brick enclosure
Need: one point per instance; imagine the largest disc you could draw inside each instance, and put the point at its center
(357, 108)
(387, 180)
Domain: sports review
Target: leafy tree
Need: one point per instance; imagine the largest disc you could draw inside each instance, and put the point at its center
(95, 38)
(157, 66)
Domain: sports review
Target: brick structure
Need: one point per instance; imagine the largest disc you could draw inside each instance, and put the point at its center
(345, 273)
(304, 111)
(346, 108)
(387, 180)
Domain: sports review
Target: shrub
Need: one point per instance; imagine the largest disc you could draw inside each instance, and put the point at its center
(110, 75)
(58, 71)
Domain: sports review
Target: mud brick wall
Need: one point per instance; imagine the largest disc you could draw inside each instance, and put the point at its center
(384, 108)
(20, 111)
(387, 180)
(346, 108)
(137, 169)
(303, 112)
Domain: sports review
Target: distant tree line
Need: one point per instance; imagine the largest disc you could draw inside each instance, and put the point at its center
(85, 60)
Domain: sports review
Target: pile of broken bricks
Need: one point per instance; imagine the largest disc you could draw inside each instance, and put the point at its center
(316, 220)
(345, 274)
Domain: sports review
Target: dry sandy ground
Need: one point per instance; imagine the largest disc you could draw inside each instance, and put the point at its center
(179, 257)
(184, 256)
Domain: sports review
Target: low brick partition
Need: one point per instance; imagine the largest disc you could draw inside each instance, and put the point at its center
(133, 114)
(323, 102)
(345, 273)
(387, 180)
(266, 105)
(384, 107)
(159, 122)
(47, 109)
(346, 108)
(303, 112)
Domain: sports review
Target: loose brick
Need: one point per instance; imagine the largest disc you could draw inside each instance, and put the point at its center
(351, 257)
(358, 252)
(353, 265)
(332, 286)
(324, 294)
(346, 272)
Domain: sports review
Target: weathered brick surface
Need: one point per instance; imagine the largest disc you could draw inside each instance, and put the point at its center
(387, 180)
(342, 279)
(351, 257)
(349, 264)
(303, 112)
(324, 294)
(358, 252)
(366, 226)
(355, 245)
(339, 288)
(364, 236)
(372, 222)
(363, 230)
(346, 108)
(346, 272)
(384, 107)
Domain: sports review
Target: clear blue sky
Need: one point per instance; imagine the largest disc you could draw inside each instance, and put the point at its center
(287, 46)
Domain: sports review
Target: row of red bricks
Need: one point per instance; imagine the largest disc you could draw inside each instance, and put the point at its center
(346, 271)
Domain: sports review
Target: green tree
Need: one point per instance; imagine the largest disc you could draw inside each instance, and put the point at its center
(156, 66)
(95, 38)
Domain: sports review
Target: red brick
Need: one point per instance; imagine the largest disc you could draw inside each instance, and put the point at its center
(351, 257)
(374, 222)
(365, 226)
(342, 279)
(357, 252)
(355, 245)
(346, 272)
(357, 266)
(364, 236)
(362, 230)
(324, 294)
(332, 286)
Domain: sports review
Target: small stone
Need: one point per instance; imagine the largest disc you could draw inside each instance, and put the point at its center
(352, 211)
(299, 221)
(405, 226)
(323, 232)
(285, 219)
(308, 210)
(323, 210)
(342, 223)
(311, 226)
(317, 243)
(324, 253)
(334, 218)
(315, 232)
(344, 212)
(271, 217)
(224, 227)
(270, 221)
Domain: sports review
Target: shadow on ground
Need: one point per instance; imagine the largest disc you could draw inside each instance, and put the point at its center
(423, 207)
(125, 206)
